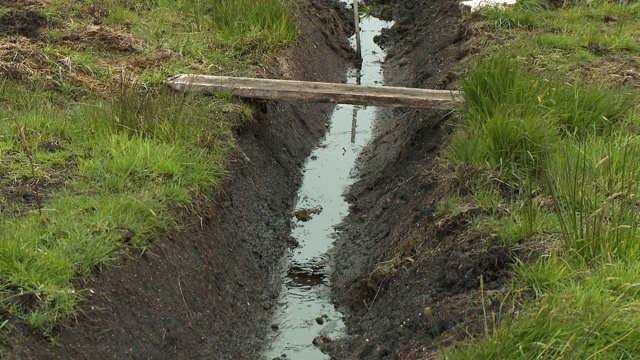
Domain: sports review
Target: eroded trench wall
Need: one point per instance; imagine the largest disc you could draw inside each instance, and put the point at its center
(207, 289)
(392, 261)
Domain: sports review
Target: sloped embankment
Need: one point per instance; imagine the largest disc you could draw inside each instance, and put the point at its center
(403, 275)
(207, 289)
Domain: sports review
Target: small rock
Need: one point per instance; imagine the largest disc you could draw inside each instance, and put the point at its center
(321, 340)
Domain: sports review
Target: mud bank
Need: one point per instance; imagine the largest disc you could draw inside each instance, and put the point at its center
(207, 289)
(402, 275)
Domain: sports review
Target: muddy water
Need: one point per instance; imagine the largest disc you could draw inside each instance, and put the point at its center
(304, 311)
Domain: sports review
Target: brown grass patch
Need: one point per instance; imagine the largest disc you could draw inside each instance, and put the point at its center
(159, 55)
(104, 38)
(20, 59)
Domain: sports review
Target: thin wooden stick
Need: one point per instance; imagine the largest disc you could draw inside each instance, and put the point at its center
(356, 15)
(26, 150)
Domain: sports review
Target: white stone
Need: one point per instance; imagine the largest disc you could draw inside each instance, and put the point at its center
(471, 6)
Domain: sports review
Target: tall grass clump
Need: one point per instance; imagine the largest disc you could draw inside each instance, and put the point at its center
(257, 23)
(523, 15)
(505, 129)
(580, 109)
(498, 84)
(260, 24)
(595, 184)
(513, 118)
(173, 117)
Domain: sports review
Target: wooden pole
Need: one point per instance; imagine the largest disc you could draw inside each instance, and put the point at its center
(317, 91)
(356, 15)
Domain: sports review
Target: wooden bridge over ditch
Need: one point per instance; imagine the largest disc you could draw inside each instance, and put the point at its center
(318, 91)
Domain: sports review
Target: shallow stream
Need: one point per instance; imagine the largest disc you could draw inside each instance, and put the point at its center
(304, 309)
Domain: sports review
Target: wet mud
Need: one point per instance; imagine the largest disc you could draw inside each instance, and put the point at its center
(407, 280)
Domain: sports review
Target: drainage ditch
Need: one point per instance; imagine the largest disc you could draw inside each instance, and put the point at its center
(305, 317)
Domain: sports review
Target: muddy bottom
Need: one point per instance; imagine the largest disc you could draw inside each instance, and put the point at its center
(306, 317)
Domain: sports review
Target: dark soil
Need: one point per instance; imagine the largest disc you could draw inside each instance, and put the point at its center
(206, 289)
(23, 23)
(404, 276)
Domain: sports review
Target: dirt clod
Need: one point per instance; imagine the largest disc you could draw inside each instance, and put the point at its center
(22, 23)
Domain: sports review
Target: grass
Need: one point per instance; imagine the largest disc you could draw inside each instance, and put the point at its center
(597, 183)
(570, 312)
(116, 156)
(602, 33)
(551, 111)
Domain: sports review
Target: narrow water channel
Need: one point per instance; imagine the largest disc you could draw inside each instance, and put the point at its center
(304, 310)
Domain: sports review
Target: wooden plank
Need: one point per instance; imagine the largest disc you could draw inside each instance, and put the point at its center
(317, 91)
(356, 16)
